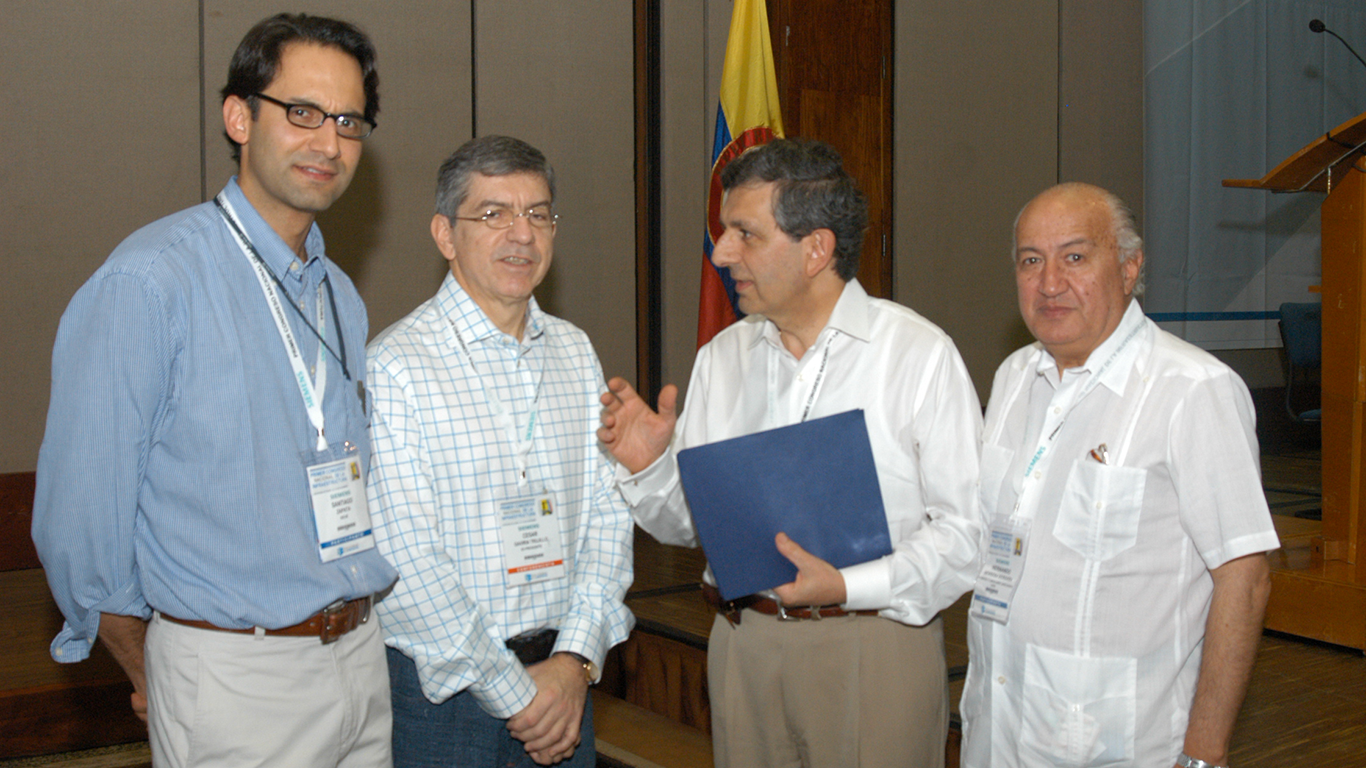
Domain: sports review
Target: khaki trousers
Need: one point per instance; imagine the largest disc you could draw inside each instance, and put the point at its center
(226, 699)
(835, 693)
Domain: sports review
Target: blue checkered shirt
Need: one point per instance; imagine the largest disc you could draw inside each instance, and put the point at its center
(439, 468)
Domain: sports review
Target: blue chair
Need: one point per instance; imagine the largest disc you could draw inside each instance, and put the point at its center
(1302, 336)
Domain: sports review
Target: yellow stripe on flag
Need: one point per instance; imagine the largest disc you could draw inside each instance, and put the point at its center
(749, 86)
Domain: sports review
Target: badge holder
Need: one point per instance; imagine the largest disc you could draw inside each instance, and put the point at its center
(532, 547)
(341, 510)
(1002, 564)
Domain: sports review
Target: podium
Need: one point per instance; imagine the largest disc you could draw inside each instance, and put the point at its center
(1319, 577)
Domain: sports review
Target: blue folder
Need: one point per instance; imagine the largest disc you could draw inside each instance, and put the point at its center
(815, 481)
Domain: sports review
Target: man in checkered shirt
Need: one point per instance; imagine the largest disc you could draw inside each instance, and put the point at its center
(490, 493)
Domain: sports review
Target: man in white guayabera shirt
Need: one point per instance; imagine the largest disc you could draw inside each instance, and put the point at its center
(1117, 611)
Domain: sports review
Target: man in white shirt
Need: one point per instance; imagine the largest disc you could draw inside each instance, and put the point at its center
(492, 496)
(1116, 617)
(859, 679)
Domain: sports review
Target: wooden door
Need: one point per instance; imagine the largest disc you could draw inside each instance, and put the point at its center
(834, 67)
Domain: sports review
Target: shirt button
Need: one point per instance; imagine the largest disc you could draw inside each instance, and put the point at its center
(1001, 679)
(354, 570)
(1099, 506)
(1056, 411)
(1038, 475)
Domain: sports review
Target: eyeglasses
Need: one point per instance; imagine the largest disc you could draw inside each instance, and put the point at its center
(538, 216)
(309, 116)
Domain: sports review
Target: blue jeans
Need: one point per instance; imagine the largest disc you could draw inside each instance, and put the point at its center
(457, 733)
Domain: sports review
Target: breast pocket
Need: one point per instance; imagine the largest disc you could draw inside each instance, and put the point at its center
(1099, 511)
(1077, 711)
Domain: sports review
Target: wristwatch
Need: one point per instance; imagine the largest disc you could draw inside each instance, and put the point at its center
(590, 670)
(1186, 761)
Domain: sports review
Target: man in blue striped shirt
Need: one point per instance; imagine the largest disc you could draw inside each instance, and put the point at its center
(200, 504)
(491, 494)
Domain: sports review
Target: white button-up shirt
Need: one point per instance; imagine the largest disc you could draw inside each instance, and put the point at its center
(1098, 661)
(923, 421)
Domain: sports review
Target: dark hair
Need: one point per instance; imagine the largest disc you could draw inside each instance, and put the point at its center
(257, 58)
(813, 192)
(490, 156)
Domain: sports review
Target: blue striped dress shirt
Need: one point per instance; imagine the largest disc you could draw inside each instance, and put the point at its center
(172, 472)
(441, 465)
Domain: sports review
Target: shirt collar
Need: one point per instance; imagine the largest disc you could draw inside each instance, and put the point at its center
(267, 243)
(470, 320)
(850, 316)
(1134, 323)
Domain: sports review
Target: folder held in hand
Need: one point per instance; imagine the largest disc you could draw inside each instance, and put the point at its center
(816, 481)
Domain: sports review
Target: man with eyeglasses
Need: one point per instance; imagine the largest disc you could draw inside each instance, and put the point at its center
(491, 495)
(201, 504)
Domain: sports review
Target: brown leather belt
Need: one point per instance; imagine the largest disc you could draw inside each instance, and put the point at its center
(731, 608)
(327, 625)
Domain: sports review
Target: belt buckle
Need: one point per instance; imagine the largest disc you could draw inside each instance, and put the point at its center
(730, 611)
(325, 631)
(813, 612)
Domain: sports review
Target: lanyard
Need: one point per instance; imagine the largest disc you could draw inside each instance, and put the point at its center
(311, 391)
(522, 441)
(225, 208)
(773, 360)
(1046, 441)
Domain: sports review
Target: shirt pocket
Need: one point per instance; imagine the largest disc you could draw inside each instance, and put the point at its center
(1099, 510)
(996, 462)
(1077, 711)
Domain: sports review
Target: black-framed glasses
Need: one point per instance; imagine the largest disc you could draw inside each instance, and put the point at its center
(538, 216)
(309, 116)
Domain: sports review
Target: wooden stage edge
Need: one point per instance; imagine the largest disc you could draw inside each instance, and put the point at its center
(1316, 601)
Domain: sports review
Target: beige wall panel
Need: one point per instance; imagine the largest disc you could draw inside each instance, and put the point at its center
(693, 42)
(1100, 95)
(379, 230)
(105, 138)
(559, 75)
(975, 138)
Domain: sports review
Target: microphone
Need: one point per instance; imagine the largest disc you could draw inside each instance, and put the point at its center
(1318, 27)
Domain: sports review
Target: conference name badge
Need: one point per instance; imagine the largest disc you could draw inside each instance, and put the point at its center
(341, 511)
(1002, 564)
(532, 549)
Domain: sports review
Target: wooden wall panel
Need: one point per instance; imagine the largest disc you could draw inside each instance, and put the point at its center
(103, 137)
(559, 75)
(976, 94)
(1100, 96)
(379, 230)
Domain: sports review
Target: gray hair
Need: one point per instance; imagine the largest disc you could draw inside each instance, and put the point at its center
(1123, 227)
(813, 192)
(488, 156)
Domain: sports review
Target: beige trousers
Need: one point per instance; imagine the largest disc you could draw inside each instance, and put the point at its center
(836, 693)
(226, 699)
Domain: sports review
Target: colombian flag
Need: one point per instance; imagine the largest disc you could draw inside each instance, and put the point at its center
(747, 116)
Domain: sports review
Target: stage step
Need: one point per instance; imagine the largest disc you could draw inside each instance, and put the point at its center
(629, 736)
